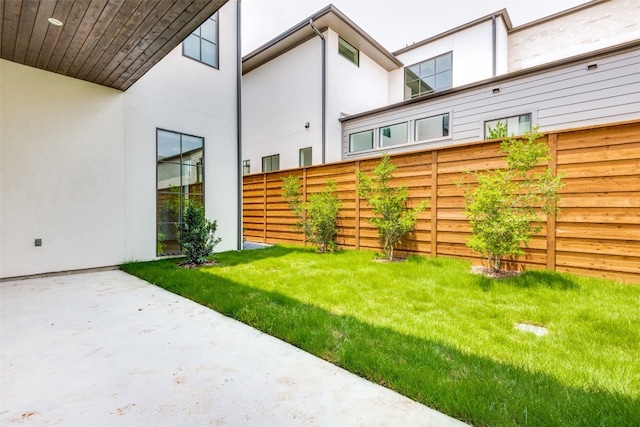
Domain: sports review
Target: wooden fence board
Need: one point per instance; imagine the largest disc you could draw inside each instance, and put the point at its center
(596, 232)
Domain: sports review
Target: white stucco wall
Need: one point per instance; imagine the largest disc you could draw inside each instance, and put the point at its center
(596, 27)
(186, 96)
(350, 89)
(472, 57)
(78, 160)
(278, 98)
(62, 172)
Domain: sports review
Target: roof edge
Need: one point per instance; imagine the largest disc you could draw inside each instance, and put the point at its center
(503, 13)
(623, 47)
(558, 15)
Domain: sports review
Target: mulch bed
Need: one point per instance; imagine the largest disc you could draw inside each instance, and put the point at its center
(492, 274)
(194, 265)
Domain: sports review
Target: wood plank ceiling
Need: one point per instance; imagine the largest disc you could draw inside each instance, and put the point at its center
(109, 42)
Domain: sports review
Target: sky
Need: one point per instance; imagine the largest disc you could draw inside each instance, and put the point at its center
(393, 23)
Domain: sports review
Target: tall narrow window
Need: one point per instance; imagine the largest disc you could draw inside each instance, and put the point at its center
(429, 76)
(180, 175)
(246, 167)
(202, 44)
(305, 156)
(516, 125)
(351, 53)
(271, 163)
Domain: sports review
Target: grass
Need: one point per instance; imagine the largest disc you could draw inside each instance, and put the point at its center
(432, 331)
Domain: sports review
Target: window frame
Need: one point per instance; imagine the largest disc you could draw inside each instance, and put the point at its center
(434, 75)
(407, 138)
(373, 140)
(271, 157)
(349, 46)
(439, 138)
(246, 167)
(200, 179)
(300, 152)
(505, 118)
(200, 38)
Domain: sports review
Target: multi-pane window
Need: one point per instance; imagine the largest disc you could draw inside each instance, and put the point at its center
(361, 141)
(516, 125)
(432, 127)
(393, 135)
(305, 156)
(351, 53)
(180, 179)
(271, 163)
(202, 44)
(429, 76)
(246, 167)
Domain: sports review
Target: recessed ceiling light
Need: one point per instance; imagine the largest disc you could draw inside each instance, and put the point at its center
(55, 22)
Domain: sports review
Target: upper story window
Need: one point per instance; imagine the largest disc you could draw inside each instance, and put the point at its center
(202, 44)
(429, 76)
(394, 134)
(271, 163)
(361, 141)
(515, 125)
(348, 51)
(305, 156)
(432, 127)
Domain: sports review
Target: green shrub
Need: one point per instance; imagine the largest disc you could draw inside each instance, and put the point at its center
(197, 233)
(506, 207)
(317, 217)
(393, 218)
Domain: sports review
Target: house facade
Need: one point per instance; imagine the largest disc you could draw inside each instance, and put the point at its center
(87, 169)
(447, 89)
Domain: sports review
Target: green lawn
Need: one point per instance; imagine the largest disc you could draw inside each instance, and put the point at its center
(434, 332)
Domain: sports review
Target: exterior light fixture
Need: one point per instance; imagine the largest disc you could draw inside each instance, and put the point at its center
(55, 22)
(306, 125)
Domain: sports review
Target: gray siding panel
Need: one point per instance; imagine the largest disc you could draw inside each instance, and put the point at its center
(566, 97)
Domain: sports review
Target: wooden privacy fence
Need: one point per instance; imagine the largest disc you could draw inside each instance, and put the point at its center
(596, 232)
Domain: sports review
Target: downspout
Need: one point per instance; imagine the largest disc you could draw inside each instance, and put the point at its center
(493, 43)
(239, 119)
(324, 91)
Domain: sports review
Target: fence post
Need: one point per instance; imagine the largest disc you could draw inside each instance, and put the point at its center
(434, 203)
(551, 219)
(264, 208)
(357, 213)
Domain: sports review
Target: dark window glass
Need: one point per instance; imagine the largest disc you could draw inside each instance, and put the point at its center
(202, 44)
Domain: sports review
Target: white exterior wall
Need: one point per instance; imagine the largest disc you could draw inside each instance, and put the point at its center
(186, 96)
(279, 97)
(62, 172)
(567, 97)
(472, 57)
(78, 160)
(602, 25)
(350, 89)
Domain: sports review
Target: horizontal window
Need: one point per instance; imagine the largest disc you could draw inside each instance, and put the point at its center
(361, 141)
(432, 127)
(394, 134)
(515, 125)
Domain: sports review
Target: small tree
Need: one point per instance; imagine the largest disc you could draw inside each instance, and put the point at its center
(197, 233)
(317, 217)
(393, 218)
(506, 203)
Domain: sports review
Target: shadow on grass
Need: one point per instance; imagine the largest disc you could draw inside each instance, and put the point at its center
(474, 389)
(532, 279)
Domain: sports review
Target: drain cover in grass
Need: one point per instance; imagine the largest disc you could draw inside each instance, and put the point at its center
(527, 327)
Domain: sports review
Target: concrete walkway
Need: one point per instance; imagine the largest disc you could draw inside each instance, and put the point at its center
(105, 349)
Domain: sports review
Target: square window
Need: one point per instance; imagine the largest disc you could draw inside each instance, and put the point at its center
(271, 163)
(434, 74)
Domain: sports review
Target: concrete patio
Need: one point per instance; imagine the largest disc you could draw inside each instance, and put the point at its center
(106, 348)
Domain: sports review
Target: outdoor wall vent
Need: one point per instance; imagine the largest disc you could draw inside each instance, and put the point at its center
(496, 90)
(592, 66)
